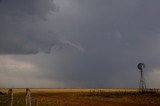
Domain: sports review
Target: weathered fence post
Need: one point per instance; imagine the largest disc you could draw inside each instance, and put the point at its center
(28, 97)
(10, 97)
(36, 103)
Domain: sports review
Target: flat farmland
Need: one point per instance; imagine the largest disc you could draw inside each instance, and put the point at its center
(86, 97)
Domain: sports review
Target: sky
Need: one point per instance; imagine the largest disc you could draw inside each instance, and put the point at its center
(79, 43)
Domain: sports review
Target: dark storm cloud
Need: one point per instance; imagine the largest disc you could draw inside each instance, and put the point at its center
(23, 8)
(23, 25)
(19, 32)
(115, 35)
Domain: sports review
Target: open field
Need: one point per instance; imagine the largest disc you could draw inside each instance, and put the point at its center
(85, 97)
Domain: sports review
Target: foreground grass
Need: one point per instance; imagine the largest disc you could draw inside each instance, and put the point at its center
(86, 97)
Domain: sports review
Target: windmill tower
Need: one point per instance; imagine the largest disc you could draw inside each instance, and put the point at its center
(142, 84)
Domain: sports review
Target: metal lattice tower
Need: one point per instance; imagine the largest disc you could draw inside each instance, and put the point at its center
(142, 84)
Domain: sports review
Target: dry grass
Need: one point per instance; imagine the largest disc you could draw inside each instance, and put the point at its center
(87, 97)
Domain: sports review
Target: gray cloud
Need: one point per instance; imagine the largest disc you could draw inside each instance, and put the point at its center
(25, 9)
(115, 36)
(22, 30)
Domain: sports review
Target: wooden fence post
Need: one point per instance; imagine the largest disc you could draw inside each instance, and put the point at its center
(28, 97)
(36, 103)
(10, 97)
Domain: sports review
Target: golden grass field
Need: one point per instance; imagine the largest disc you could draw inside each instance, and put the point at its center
(85, 97)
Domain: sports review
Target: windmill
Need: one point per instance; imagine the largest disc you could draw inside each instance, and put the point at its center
(142, 84)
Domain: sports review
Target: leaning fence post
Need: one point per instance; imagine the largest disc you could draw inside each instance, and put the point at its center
(28, 97)
(10, 97)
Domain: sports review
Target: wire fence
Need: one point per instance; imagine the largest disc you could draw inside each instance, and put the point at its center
(23, 99)
(3, 97)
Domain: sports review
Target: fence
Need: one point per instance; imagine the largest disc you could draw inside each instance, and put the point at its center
(7, 99)
(149, 91)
